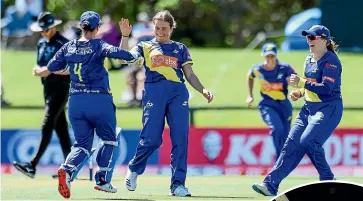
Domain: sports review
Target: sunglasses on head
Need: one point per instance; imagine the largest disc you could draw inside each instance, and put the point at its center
(310, 37)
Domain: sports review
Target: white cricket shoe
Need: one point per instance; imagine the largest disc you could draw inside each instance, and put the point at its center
(180, 191)
(108, 188)
(130, 180)
(262, 189)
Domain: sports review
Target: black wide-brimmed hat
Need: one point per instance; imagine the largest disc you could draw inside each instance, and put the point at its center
(44, 22)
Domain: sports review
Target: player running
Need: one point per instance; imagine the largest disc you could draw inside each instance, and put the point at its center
(165, 95)
(275, 107)
(91, 105)
(319, 116)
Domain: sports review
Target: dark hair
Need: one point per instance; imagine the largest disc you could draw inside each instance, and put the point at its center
(87, 27)
(165, 15)
(332, 46)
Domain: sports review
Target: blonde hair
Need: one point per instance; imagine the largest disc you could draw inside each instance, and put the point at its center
(332, 46)
(165, 15)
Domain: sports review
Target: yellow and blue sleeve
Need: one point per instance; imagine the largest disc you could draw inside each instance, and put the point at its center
(251, 73)
(187, 59)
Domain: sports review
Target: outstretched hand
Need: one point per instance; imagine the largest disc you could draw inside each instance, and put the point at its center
(125, 27)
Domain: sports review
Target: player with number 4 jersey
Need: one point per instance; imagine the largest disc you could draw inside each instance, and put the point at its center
(91, 105)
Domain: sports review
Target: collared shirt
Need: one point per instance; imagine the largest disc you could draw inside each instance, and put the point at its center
(163, 61)
(85, 62)
(322, 78)
(45, 52)
(273, 83)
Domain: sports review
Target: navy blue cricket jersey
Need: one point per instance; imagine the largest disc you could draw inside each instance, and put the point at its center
(322, 78)
(85, 61)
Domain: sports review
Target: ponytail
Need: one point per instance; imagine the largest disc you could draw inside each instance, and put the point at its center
(86, 27)
(332, 46)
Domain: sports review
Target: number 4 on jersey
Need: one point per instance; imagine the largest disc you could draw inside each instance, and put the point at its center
(77, 70)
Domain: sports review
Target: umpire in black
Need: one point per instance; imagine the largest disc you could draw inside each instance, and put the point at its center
(55, 88)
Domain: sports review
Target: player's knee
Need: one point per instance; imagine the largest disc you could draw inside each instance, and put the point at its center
(86, 145)
(277, 131)
(180, 147)
(289, 146)
(150, 143)
(108, 137)
(308, 144)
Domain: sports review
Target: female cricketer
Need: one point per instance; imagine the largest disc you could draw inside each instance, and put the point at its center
(320, 115)
(91, 105)
(275, 107)
(165, 95)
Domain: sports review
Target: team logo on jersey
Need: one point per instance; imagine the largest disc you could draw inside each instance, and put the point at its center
(279, 76)
(175, 51)
(164, 61)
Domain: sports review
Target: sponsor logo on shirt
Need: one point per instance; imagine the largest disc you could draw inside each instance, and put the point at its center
(329, 79)
(311, 79)
(274, 86)
(332, 66)
(164, 61)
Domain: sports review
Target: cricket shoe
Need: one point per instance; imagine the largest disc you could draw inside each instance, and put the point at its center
(262, 189)
(26, 168)
(130, 180)
(107, 187)
(180, 191)
(64, 183)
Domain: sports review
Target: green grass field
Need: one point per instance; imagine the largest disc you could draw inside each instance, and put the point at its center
(149, 188)
(223, 71)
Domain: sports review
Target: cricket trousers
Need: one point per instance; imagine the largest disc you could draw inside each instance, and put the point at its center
(312, 127)
(277, 115)
(55, 96)
(164, 99)
(89, 113)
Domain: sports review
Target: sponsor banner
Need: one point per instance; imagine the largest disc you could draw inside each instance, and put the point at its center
(195, 170)
(254, 147)
(309, 170)
(120, 170)
(22, 144)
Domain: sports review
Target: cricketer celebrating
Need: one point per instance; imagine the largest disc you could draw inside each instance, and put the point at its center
(91, 105)
(165, 95)
(319, 116)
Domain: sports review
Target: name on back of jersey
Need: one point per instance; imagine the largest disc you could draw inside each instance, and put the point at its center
(80, 51)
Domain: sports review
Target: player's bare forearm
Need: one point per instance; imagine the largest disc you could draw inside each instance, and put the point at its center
(192, 78)
(195, 82)
(41, 71)
(124, 43)
(250, 86)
